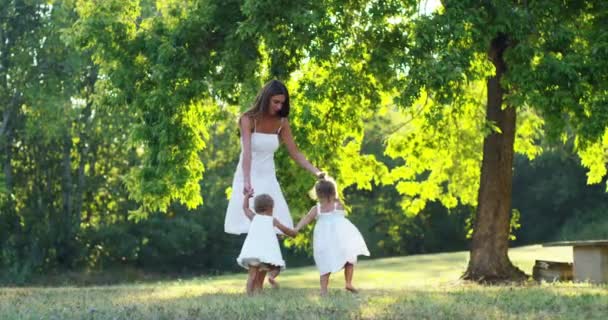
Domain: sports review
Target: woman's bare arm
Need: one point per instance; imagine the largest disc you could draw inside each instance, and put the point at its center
(293, 151)
(245, 125)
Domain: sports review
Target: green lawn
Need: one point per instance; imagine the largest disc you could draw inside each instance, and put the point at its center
(413, 287)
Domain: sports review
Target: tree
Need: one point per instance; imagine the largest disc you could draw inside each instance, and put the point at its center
(163, 65)
(543, 62)
(20, 30)
(477, 80)
(538, 59)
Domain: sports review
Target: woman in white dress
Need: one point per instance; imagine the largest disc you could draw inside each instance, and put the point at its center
(262, 129)
(336, 241)
(261, 252)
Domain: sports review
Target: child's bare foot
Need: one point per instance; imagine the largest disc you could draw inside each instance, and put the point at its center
(351, 289)
(273, 282)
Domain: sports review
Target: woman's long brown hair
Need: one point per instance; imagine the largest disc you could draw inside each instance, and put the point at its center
(262, 100)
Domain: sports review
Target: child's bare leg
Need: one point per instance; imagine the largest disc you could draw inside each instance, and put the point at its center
(259, 281)
(324, 282)
(272, 275)
(349, 269)
(251, 280)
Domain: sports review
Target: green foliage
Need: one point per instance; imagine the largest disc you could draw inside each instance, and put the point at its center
(113, 111)
(328, 128)
(441, 159)
(514, 223)
(165, 66)
(585, 225)
(552, 195)
(3, 189)
(548, 76)
(594, 157)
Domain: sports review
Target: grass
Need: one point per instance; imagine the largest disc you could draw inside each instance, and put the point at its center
(412, 287)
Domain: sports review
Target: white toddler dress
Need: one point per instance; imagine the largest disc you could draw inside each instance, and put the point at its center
(261, 245)
(336, 241)
(263, 180)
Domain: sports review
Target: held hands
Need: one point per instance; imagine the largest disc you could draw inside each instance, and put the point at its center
(248, 189)
(250, 214)
(248, 193)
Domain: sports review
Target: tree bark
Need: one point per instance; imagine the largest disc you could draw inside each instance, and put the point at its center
(8, 213)
(489, 261)
(84, 145)
(6, 138)
(9, 118)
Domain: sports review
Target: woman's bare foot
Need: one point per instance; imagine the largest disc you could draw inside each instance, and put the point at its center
(351, 289)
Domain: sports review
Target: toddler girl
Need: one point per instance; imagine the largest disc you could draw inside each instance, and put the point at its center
(336, 241)
(261, 252)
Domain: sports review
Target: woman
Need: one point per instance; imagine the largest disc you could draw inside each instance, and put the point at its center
(263, 127)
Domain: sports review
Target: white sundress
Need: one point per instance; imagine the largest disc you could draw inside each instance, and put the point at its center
(261, 245)
(336, 241)
(263, 180)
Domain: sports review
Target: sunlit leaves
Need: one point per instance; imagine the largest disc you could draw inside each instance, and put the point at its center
(595, 157)
(163, 65)
(174, 174)
(442, 159)
(551, 79)
(342, 59)
(529, 133)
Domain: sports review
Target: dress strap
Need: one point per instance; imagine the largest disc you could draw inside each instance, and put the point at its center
(255, 122)
(281, 126)
(318, 209)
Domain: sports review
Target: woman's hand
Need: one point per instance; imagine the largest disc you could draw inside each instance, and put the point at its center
(321, 175)
(247, 189)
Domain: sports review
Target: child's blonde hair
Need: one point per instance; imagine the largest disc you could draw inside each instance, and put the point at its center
(263, 203)
(325, 187)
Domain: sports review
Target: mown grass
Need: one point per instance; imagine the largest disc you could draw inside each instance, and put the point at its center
(413, 287)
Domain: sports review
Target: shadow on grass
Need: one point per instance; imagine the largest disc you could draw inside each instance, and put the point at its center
(192, 301)
(490, 303)
(103, 303)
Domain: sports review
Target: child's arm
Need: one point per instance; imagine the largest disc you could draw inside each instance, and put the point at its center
(307, 218)
(248, 212)
(288, 231)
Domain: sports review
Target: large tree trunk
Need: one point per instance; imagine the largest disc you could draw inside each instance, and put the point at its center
(489, 261)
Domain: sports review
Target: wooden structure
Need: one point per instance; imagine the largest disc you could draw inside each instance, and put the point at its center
(590, 259)
(551, 271)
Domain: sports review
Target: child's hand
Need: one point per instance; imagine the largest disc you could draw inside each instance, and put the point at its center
(249, 193)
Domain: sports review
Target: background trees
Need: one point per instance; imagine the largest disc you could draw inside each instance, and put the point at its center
(116, 111)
